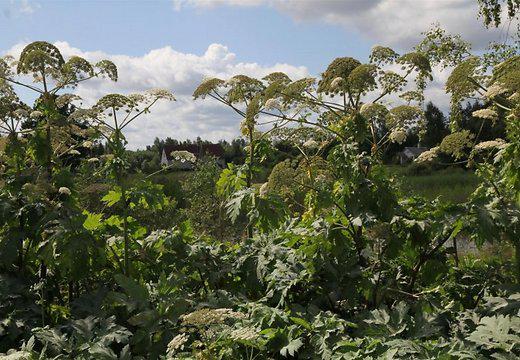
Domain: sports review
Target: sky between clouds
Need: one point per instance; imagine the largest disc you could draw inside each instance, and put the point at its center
(175, 44)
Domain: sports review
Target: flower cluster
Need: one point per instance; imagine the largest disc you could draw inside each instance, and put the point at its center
(374, 112)
(83, 114)
(457, 143)
(207, 86)
(64, 191)
(311, 144)
(488, 114)
(336, 83)
(183, 156)
(514, 97)
(277, 77)
(244, 334)
(65, 99)
(416, 61)
(264, 190)
(272, 104)
(491, 144)
(20, 113)
(405, 116)
(177, 343)
(398, 135)
(428, 156)
(39, 53)
(161, 94)
(494, 91)
(210, 316)
(36, 114)
(339, 67)
(381, 55)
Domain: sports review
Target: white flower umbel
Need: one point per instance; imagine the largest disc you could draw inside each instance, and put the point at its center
(491, 144)
(177, 343)
(264, 190)
(244, 334)
(487, 114)
(494, 91)
(311, 144)
(93, 160)
(36, 114)
(87, 144)
(428, 156)
(74, 152)
(514, 97)
(272, 104)
(398, 135)
(21, 113)
(183, 156)
(210, 316)
(336, 83)
(65, 99)
(64, 191)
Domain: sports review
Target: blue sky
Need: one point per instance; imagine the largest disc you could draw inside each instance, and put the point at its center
(174, 44)
(255, 34)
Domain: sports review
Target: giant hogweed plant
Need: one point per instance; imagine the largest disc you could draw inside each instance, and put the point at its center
(43, 223)
(110, 116)
(280, 102)
(347, 104)
(43, 205)
(491, 78)
(240, 93)
(495, 205)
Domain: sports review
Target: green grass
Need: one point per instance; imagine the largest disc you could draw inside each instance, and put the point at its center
(452, 184)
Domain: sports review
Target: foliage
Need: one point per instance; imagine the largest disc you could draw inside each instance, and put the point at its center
(337, 261)
(492, 10)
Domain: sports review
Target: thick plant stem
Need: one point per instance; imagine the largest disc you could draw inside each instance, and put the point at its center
(517, 260)
(249, 178)
(455, 252)
(120, 181)
(125, 231)
(49, 169)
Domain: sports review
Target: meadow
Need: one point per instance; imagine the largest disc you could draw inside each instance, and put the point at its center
(453, 185)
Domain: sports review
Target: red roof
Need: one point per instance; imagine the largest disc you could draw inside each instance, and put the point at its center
(215, 150)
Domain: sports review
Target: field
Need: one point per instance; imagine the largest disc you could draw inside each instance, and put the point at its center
(453, 184)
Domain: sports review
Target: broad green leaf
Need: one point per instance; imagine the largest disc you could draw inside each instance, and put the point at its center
(112, 197)
(292, 347)
(93, 221)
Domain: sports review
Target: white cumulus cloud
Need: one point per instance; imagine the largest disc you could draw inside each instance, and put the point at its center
(181, 73)
(389, 22)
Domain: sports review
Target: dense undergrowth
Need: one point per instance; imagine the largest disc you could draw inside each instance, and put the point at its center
(329, 259)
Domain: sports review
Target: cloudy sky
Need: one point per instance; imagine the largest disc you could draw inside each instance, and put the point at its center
(175, 44)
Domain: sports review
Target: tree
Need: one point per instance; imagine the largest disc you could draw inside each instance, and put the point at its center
(436, 126)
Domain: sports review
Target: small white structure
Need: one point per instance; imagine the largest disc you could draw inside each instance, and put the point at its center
(409, 154)
(198, 150)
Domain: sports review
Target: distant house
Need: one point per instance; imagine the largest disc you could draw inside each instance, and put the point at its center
(409, 154)
(215, 151)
